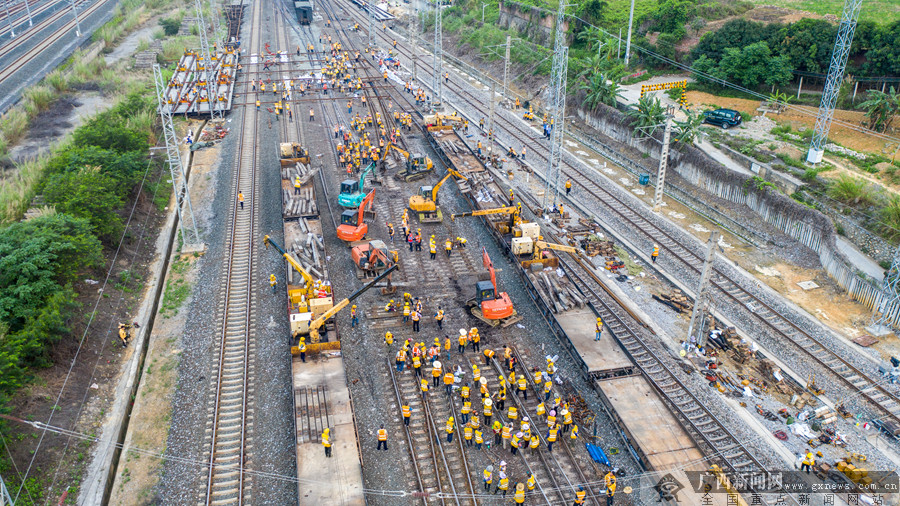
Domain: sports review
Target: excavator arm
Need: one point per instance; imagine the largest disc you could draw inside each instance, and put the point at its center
(484, 212)
(290, 260)
(316, 324)
(365, 205)
(450, 172)
(362, 176)
(558, 247)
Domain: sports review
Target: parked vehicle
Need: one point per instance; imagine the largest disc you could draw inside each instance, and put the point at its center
(725, 118)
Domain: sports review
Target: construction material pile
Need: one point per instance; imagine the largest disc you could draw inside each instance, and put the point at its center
(304, 204)
(676, 300)
(308, 252)
(555, 288)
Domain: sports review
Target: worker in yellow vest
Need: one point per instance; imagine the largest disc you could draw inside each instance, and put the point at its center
(523, 386)
(388, 338)
(534, 443)
(450, 428)
(463, 341)
(531, 482)
(551, 437)
(514, 442)
(439, 316)
(448, 382)
(436, 372)
(423, 385)
(488, 477)
(382, 438)
(574, 435)
(447, 347)
(579, 495)
(464, 392)
(568, 187)
(503, 484)
(479, 438)
(808, 461)
(448, 246)
(488, 356)
(326, 442)
(407, 413)
(506, 434)
(465, 411)
(273, 281)
(520, 493)
(655, 254)
(467, 434)
(488, 410)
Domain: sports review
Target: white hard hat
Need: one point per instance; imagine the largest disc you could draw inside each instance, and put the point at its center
(462, 332)
(488, 402)
(437, 364)
(525, 419)
(483, 380)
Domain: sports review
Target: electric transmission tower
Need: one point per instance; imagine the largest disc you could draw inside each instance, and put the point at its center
(436, 83)
(413, 35)
(557, 109)
(833, 81)
(882, 317)
(697, 327)
(214, 12)
(206, 71)
(371, 23)
(506, 68)
(173, 159)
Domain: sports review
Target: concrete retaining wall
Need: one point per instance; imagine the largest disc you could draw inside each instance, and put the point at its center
(532, 21)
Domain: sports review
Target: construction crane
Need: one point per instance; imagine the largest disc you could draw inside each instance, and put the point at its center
(417, 165)
(541, 254)
(306, 299)
(488, 305)
(292, 153)
(504, 226)
(352, 191)
(316, 324)
(426, 202)
(353, 227)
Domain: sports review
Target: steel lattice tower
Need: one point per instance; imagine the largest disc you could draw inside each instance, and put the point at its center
(369, 8)
(173, 160)
(833, 81)
(208, 75)
(557, 108)
(214, 12)
(413, 34)
(437, 86)
(890, 294)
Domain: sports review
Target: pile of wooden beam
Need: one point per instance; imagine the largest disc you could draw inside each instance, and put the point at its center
(593, 246)
(309, 253)
(558, 292)
(676, 300)
(303, 204)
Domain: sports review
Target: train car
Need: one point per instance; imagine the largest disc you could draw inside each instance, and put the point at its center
(303, 10)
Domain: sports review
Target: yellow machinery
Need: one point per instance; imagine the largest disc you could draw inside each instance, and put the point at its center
(316, 324)
(426, 202)
(292, 153)
(417, 165)
(304, 300)
(502, 226)
(542, 253)
(441, 122)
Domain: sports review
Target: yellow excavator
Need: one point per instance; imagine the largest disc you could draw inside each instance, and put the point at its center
(426, 201)
(541, 254)
(292, 153)
(317, 324)
(441, 122)
(502, 226)
(307, 298)
(417, 165)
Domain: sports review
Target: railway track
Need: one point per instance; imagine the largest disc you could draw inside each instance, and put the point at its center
(441, 474)
(29, 55)
(781, 325)
(19, 15)
(231, 413)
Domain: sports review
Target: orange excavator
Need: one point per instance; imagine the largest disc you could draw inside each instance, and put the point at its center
(373, 257)
(353, 227)
(488, 305)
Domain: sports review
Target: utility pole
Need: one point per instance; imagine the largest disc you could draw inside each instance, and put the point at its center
(701, 301)
(619, 45)
(413, 35)
(437, 85)
(208, 68)
(12, 31)
(490, 143)
(663, 161)
(557, 108)
(176, 167)
(371, 23)
(506, 68)
(214, 12)
(833, 82)
(628, 42)
(77, 23)
(28, 11)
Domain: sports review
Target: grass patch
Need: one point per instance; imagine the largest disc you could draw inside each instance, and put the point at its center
(18, 189)
(630, 266)
(850, 190)
(177, 289)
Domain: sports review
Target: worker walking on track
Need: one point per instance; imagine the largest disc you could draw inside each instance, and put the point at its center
(326, 442)
(448, 246)
(568, 187)
(520, 493)
(488, 478)
(382, 438)
(448, 382)
(273, 281)
(302, 347)
(523, 387)
(655, 254)
(241, 199)
(416, 316)
(312, 115)
(439, 316)
(450, 428)
(354, 318)
(407, 414)
(463, 340)
(599, 329)
(579, 495)
(610, 479)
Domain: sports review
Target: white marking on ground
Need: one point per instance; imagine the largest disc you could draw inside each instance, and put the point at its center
(625, 181)
(582, 153)
(609, 171)
(698, 227)
(677, 216)
(570, 143)
(638, 191)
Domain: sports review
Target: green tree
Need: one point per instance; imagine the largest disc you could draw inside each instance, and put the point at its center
(735, 33)
(88, 194)
(748, 66)
(48, 324)
(124, 167)
(600, 90)
(108, 131)
(881, 108)
(807, 44)
(671, 15)
(648, 114)
(688, 129)
(170, 26)
(37, 257)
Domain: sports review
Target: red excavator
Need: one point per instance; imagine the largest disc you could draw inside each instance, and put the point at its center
(372, 257)
(488, 305)
(352, 227)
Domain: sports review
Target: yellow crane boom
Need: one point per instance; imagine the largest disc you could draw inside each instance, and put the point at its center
(290, 260)
(558, 247)
(316, 324)
(484, 212)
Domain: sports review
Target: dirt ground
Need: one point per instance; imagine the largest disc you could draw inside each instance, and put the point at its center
(148, 427)
(843, 135)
